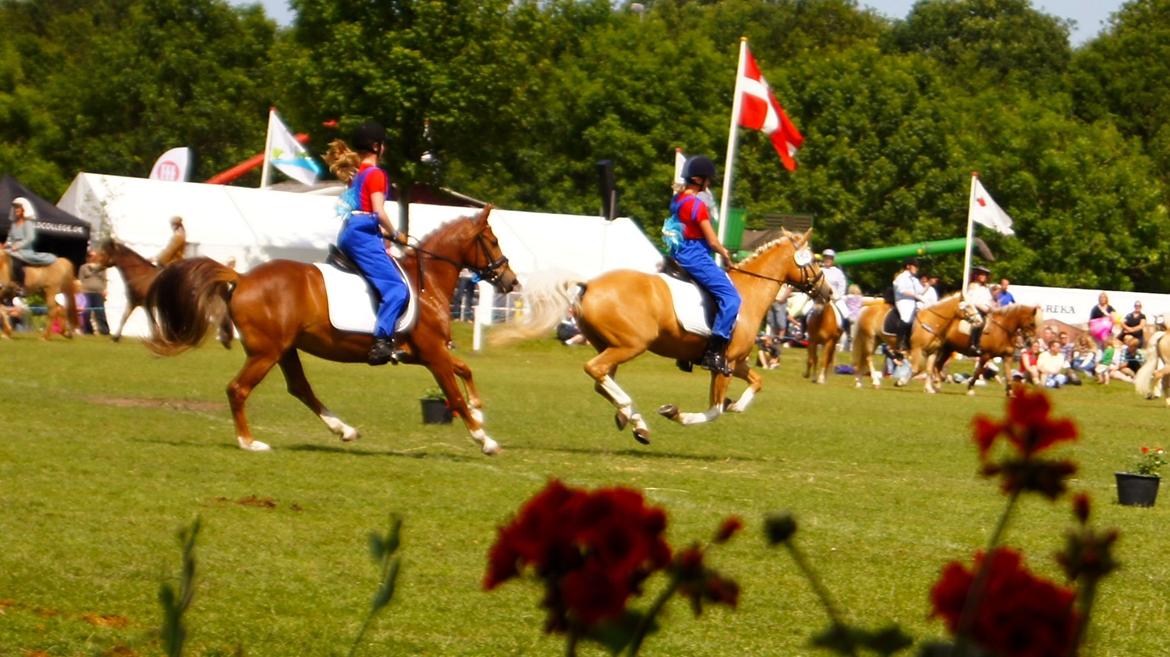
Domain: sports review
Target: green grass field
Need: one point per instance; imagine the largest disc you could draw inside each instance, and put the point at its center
(108, 450)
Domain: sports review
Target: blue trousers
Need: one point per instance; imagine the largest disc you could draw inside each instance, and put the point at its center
(695, 257)
(361, 241)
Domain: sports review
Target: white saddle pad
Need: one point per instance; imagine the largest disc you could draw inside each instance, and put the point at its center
(690, 305)
(841, 313)
(352, 302)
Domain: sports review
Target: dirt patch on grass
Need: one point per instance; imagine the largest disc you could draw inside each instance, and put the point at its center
(258, 502)
(171, 404)
(106, 620)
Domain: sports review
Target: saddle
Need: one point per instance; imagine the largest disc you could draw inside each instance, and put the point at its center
(671, 268)
(352, 301)
(891, 322)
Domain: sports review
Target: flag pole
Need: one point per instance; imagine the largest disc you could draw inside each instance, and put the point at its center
(732, 143)
(267, 149)
(970, 231)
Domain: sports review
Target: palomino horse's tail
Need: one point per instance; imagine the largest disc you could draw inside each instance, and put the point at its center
(548, 297)
(1143, 381)
(181, 301)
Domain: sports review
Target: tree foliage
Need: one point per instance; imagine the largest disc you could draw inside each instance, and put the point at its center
(524, 97)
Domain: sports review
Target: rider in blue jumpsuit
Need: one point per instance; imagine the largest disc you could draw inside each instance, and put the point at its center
(363, 236)
(698, 245)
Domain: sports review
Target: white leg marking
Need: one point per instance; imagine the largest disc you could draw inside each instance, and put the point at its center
(476, 414)
(343, 430)
(699, 418)
(490, 446)
(741, 404)
(254, 446)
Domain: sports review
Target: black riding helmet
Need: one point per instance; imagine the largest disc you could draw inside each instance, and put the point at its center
(699, 166)
(367, 136)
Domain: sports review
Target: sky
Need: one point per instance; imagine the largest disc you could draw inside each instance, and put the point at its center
(1090, 15)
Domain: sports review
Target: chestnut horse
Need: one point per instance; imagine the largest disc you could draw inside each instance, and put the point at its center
(137, 274)
(931, 323)
(49, 280)
(1151, 380)
(822, 330)
(625, 313)
(280, 307)
(1001, 328)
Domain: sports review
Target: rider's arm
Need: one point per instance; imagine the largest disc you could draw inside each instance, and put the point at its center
(713, 240)
(378, 203)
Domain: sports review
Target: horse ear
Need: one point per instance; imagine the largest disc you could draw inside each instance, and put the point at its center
(807, 235)
(483, 214)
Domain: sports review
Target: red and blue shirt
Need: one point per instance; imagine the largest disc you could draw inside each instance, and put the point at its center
(691, 211)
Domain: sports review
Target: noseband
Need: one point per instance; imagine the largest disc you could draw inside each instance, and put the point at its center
(808, 281)
(490, 272)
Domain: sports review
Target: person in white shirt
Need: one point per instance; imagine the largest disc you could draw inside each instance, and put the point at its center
(833, 274)
(907, 293)
(979, 296)
(929, 293)
(1052, 364)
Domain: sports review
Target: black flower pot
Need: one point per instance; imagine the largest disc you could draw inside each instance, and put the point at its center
(435, 411)
(1136, 489)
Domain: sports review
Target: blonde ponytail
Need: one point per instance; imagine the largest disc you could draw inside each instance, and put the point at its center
(342, 160)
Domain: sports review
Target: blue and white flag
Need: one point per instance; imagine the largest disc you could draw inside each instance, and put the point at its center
(287, 154)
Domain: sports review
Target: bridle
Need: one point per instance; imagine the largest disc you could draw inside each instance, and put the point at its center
(490, 272)
(808, 280)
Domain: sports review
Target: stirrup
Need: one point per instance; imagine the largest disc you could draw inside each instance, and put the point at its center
(684, 365)
(384, 350)
(716, 362)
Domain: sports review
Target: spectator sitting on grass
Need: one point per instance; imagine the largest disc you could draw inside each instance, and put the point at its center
(1029, 371)
(1084, 358)
(1052, 364)
(1131, 358)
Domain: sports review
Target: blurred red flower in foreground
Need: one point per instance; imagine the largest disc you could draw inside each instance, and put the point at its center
(1030, 430)
(1020, 615)
(592, 549)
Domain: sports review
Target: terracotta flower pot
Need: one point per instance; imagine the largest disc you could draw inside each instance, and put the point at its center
(1136, 489)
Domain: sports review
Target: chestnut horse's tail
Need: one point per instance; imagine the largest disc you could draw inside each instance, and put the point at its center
(548, 296)
(181, 301)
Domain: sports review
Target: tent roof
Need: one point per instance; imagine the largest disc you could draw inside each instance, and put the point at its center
(58, 231)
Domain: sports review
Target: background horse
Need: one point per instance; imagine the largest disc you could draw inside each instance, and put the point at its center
(49, 280)
(137, 274)
(1001, 328)
(822, 330)
(280, 307)
(930, 324)
(625, 313)
(1152, 380)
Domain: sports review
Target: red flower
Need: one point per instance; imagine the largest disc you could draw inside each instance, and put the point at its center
(1028, 425)
(592, 550)
(1017, 615)
(728, 529)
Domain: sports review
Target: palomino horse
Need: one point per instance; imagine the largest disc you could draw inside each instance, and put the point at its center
(930, 323)
(625, 313)
(1152, 380)
(822, 330)
(1001, 328)
(138, 273)
(280, 307)
(49, 280)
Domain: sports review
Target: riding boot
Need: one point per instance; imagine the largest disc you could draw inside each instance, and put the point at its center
(976, 338)
(904, 329)
(715, 358)
(385, 350)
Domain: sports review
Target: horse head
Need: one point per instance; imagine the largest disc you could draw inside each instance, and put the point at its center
(105, 252)
(473, 245)
(788, 259)
(1029, 320)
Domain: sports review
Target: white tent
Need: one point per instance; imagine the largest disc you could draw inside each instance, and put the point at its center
(257, 225)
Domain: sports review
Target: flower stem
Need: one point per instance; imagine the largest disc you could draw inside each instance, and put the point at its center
(819, 589)
(644, 624)
(975, 595)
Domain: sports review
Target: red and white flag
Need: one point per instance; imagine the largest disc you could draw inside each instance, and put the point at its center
(984, 210)
(761, 111)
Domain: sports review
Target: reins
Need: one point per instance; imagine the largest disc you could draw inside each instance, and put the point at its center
(489, 272)
(806, 284)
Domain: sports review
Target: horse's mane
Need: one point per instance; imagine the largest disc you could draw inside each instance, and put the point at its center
(768, 246)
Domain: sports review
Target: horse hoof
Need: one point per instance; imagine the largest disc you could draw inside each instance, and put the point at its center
(115, 338)
(642, 436)
(970, 392)
(669, 411)
(727, 403)
(621, 420)
(491, 447)
(253, 446)
(350, 434)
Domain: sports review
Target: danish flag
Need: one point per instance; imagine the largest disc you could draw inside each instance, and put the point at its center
(760, 111)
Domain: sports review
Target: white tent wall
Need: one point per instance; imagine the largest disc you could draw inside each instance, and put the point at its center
(255, 226)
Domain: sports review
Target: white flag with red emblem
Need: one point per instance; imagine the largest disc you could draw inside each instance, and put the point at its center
(761, 111)
(984, 210)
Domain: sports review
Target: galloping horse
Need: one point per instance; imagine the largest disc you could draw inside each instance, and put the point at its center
(930, 324)
(138, 273)
(1001, 327)
(50, 280)
(625, 313)
(280, 307)
(822, 329)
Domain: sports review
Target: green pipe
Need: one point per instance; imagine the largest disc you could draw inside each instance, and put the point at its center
(863, 256)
